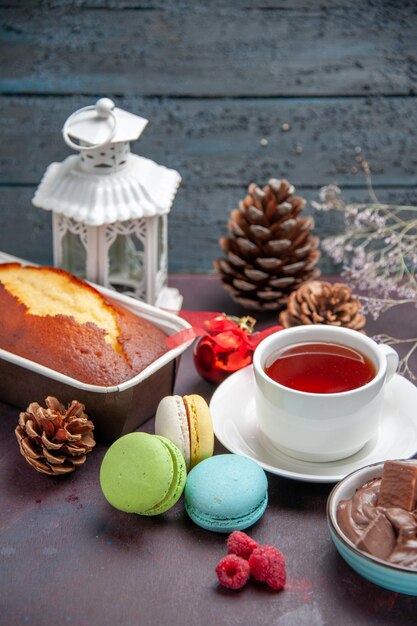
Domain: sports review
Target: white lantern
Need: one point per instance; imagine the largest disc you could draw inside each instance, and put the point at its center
(110, 207)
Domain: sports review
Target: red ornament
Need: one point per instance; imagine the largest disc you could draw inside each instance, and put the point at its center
(226, 347)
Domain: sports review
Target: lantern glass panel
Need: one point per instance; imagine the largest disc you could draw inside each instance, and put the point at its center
(74, 256)
(126, 264)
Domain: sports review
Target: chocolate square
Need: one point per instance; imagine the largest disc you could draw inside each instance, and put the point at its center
(379, 538)
(398, 485)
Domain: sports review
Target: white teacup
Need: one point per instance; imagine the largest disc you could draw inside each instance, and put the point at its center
(318, 426)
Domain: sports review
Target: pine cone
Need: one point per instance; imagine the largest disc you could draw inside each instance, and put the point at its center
(318, 302)
(270, 251)
(55, 440)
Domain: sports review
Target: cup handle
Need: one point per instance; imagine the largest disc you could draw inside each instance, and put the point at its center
(392, 359)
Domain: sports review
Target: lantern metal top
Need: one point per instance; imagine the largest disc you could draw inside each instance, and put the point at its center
(97, 125)
(105, 182)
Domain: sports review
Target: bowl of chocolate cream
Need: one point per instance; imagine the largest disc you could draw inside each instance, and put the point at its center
(372, 517)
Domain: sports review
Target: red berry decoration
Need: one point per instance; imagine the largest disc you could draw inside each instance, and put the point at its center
(241, 544)
(233, 572)
(267, 564)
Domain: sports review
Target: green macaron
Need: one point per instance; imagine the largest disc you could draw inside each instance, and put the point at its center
(143, 474)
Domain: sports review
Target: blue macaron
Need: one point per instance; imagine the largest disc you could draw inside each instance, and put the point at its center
(226, 492)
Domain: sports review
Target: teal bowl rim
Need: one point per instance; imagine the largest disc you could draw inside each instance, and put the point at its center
(397, 569)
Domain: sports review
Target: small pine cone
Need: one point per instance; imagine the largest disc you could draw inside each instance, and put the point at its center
(54, 440)
(318, 302)
(270, 250)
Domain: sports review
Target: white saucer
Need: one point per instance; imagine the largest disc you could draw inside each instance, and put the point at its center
(233, 410)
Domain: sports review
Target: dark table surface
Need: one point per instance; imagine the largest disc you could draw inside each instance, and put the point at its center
(67, 557)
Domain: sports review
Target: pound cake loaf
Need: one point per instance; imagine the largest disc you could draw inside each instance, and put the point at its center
(55, 319)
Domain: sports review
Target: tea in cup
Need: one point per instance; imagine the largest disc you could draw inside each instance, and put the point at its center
(319, 390)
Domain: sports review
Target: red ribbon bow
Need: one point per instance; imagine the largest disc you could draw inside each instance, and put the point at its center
(223, 331)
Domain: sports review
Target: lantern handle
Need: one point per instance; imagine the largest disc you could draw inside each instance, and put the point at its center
(103, 107)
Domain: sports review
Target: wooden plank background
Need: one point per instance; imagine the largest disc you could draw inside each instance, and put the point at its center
(215, 79)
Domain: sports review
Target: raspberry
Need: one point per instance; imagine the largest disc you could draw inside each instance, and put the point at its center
(267, 564)
(232, 571)
(240, 544)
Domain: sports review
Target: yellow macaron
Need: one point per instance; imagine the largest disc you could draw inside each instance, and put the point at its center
(201, 428)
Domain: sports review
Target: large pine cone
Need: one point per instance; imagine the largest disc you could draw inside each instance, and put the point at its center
(54, 440)
(318, 302)
(270, 251)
